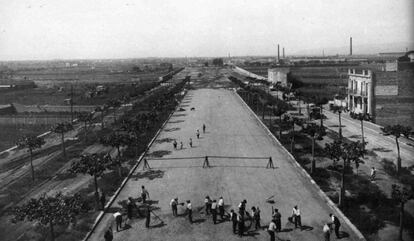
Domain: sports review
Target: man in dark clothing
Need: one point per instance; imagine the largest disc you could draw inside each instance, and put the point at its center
(109, 236)
(130, 207)
(148, 217)
(233, 218)
(277, 218)
(204, 128)
(240, 220)
(144, 194)
(337, 224)
(207, 203)
(118, 220)
(214, 211)
(173, 204)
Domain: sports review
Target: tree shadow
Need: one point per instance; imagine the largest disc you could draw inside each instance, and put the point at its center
(355, 136)
(150, 174)
(381, 149)
(252, 233)
(172, 129)
(306, 228)
(176, 121)
(160, 225)
(286, 230)
(159, 153)
(168, 140)
(199, 220)
(178, 115)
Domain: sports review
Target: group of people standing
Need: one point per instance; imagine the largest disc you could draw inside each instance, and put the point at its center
(190, 140)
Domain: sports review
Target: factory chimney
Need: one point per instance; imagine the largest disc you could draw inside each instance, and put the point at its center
(350, 46)
(278, 54)
(283, 52)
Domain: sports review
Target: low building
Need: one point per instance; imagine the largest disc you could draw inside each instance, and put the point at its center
(278, 76)
(386, 94)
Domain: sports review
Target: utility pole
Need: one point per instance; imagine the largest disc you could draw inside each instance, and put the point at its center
(71, 103)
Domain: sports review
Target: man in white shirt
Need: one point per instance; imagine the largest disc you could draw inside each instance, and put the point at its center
(326, 232)
(271, 230)
(296, 216)
(118, 220)
(190, 211)
(221, 207)
(214, 211)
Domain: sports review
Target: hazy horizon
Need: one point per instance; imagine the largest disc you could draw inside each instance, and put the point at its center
(125, 29)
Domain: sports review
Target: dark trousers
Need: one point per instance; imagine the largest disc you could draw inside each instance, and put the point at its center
(337, 230)
(272, 235)
(118, 221)
(174, 210)
(241, 228)
(208, 208)
(221, 210)
(144, 197)
(327, 236)
(278, 225)
(298, 222)
(214, 212)
(234, 226)
(257, 224)
(190, 216)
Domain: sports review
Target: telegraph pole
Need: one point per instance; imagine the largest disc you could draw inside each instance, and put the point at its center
(71, 104)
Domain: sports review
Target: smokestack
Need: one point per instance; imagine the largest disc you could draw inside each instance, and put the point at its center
(283, 52)
(278, 53)
(350, 46)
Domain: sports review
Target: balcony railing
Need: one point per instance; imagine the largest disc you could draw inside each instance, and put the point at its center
(358, 93)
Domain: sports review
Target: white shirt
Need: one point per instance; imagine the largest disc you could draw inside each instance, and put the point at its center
(214, 205)
(326, 228)
(333, 218)
(173, 202)
(189, 206)
(117, 214)
(221, 202)
(272, 227)
(296, 211)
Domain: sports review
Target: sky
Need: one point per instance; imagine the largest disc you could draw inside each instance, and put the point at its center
(93, 29)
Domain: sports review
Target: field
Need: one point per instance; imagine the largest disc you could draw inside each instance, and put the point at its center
(11, 133)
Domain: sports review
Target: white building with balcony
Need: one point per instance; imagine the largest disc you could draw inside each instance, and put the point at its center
(360, 91)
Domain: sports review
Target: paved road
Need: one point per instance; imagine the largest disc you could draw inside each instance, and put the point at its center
(231, 131)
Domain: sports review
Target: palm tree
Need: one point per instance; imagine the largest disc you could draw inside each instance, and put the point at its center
(397, 131)
(348, 152)
(114, 103)
(117, 140)
(314, 131)
(339, 109)
(102, 109)
(280, 110)
(294, 121)
(62, 128)
(31, 143)
(320, 102)
(86, 118)
(401, 195)
(361, 117)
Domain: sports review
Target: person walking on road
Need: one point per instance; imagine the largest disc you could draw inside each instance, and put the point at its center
(144, 194)
(109, 236)
(271, 230)
(189, 211)
(335, 221)
(118, 221)
(204, 128)
(174, 204)
(191, 142)
(175, 144)
(326, 232)
(233, 218)
(296, 217)
(240, 221)
(221, 208)
(373, 173)
(198, 134)
(256, 217)
(148, 217)
(214, 211)
(277, 217)
(207, 203)
(181, 145)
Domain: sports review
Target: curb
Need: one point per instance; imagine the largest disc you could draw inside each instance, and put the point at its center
(305, 173)
(126, 179)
